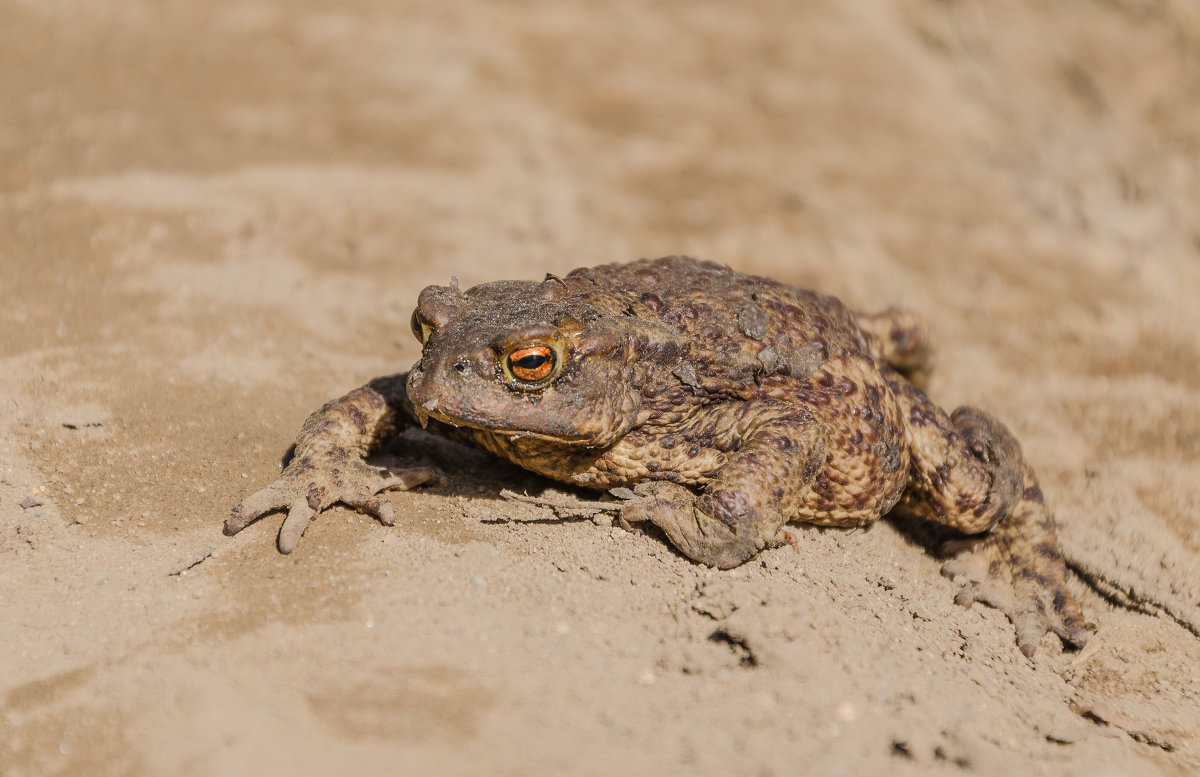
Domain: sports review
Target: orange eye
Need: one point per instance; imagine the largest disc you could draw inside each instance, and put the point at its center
(532, 364)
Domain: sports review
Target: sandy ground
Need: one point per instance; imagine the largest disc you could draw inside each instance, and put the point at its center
(215, 216)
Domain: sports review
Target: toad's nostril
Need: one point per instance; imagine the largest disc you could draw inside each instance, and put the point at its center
(463, 365)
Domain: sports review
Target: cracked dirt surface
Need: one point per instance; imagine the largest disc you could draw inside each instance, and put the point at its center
(215, 216)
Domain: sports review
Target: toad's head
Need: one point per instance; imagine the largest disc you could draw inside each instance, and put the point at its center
(545, 360)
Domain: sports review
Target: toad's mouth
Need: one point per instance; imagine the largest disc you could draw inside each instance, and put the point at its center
(431, 410)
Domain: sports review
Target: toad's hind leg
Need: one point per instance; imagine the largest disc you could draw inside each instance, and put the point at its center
(968, 472)
(743, 508)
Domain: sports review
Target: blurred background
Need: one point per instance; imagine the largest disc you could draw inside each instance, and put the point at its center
(214, 216)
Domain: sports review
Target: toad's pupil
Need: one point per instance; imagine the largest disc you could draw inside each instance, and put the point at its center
(532, 361)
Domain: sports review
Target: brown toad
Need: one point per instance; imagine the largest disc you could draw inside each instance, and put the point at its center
(731, 404)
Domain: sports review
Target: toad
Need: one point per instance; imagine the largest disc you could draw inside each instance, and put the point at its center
(720, 406)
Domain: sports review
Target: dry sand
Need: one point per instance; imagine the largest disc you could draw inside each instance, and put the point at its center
(215, 216)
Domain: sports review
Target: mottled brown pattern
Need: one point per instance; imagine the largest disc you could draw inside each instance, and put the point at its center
(730, 404)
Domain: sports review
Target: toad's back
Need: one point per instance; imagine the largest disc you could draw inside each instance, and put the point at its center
(754, 349)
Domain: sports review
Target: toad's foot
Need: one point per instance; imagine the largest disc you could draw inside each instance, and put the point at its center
(703, 530)
(1018, 569)
(311, 484)
(742, 509)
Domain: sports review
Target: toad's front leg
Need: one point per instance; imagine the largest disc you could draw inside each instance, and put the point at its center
(742, 509)
(328, 465)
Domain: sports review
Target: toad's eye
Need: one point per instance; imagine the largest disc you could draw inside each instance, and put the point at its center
(532, 363)
(420, 328)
